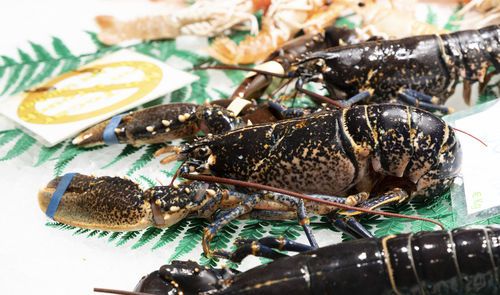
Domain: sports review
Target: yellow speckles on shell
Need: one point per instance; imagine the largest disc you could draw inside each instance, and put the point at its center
(158, 202)
(174, 208)
(187, 190)
(210, 192)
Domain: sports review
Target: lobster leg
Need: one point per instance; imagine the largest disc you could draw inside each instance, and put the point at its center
(350, 226)
(422, 100)
(265, 248)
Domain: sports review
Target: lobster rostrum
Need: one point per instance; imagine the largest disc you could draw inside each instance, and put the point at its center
(421, 70)
(461, 261)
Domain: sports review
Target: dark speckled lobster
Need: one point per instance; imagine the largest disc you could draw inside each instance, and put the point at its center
(390, 152)
(462, 261)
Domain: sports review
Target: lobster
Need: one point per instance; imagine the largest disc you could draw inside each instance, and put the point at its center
(421, 70)
(390, 151)
(461, 261)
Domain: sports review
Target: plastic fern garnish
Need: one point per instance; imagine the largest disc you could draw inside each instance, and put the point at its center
(93, 233)
(7, 136)
(147, 235)
(431, 17)
(21, 146)
(453, 23)
(46, 153)
(81, 231)
(170, 234)
(191, 238)
(224, 237)
(127, 237)
(68, 154)
(286, 229)
(144, 159)
(127, 151)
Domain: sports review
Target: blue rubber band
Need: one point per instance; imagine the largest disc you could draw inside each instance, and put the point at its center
(109, 136)
(56, 196)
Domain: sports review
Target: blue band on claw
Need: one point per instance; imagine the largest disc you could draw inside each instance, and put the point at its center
(56, 196)
(109, 135)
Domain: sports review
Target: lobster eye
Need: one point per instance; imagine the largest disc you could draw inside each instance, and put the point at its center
(203, 152)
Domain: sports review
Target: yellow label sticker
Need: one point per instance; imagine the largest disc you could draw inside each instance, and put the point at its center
(64, 100)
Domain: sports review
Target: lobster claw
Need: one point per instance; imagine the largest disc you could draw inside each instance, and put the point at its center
(117, 204)
(160, 124)
(184, 277)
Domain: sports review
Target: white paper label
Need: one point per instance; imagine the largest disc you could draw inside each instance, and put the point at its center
(481, 165)
(65, 105)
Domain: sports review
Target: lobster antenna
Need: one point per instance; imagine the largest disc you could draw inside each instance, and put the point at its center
(283, 76)
(177, 173)
(302, 196)
(470, 136)
(121, 292)
(319, 96)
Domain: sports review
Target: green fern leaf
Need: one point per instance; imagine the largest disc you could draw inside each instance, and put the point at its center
(431, 17)
(453, 23)
(148, 180)
(60, 48)
(102, 234)
(179, 95)
(7, 61)
(95, 40)
(26, 76)
(21, 146)
(390, 226)
(287, 230)
(9, 135)
(144, 159)
(81, 231)
(191, 238)
(41, 53)
(166, 49)
(127, 237)
(199, 88)
(114, 236)
(345, 21)
(149, 234)
(68, 154)
(47, 152)
(47, 71)
(93, 233)
(171, 233)
(220, 241)
(127, 151)
(25, 58)
(254, 229)
(69, 64)
(14, 74)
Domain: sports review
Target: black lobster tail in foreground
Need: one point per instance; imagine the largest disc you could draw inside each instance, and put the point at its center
(461, 261)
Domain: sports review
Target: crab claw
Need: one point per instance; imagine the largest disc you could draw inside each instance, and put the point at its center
(117, 204)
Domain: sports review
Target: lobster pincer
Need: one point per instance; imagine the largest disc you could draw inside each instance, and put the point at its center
(160, 124)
